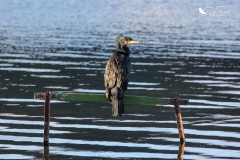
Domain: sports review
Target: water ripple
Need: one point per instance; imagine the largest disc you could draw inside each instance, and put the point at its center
(28, 69)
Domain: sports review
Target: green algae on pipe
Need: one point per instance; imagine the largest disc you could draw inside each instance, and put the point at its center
(89, 97)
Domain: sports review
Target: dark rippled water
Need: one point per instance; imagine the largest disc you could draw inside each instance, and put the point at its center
(64, 46)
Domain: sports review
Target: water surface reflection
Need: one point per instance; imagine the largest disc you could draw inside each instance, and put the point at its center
(64, 46)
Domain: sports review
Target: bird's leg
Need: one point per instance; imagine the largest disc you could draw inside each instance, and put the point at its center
(121, 109)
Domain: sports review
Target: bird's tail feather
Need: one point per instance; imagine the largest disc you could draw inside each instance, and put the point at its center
(117, 107)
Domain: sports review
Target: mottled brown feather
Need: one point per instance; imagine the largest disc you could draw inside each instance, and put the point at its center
(117, 72)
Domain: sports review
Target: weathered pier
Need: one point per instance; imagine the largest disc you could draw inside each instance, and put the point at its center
(128, 99)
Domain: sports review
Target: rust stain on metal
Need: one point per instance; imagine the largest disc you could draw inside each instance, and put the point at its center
(179, 119)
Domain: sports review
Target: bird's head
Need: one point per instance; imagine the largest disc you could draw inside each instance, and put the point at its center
(122, 42)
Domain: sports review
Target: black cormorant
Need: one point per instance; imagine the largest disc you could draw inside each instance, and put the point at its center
(117, 74)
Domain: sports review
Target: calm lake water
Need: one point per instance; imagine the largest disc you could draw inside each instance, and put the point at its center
(59, 45)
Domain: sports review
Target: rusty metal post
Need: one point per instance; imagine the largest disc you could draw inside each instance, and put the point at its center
(46, 119)
(46, 125)
(179, 120)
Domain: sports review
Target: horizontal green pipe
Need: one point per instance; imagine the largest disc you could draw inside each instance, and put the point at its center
(128, 99)
(89, 97)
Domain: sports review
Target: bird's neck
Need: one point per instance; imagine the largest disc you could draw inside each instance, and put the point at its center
(124, 50)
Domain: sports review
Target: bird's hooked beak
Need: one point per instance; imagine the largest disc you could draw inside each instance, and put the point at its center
(128, 42)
